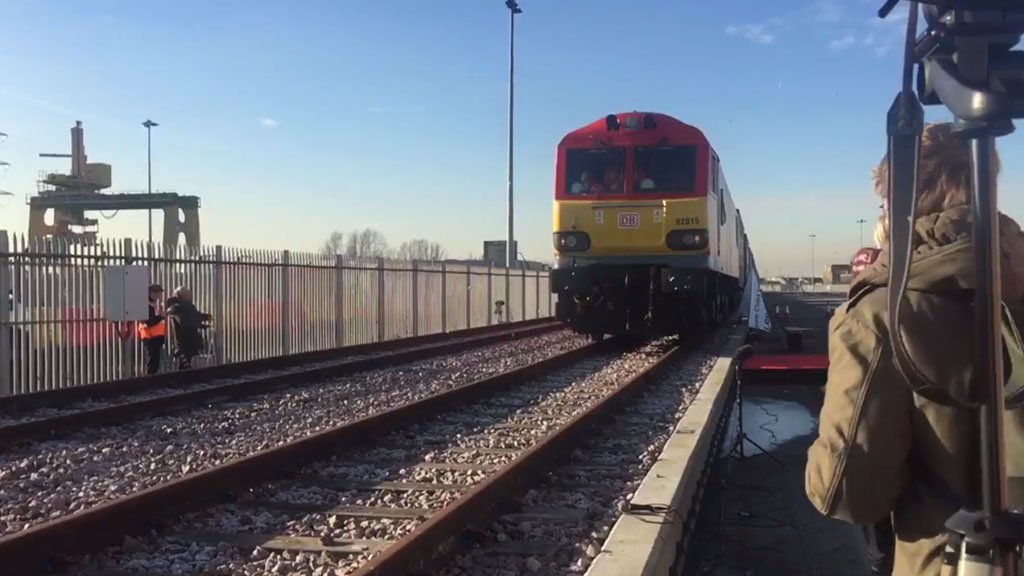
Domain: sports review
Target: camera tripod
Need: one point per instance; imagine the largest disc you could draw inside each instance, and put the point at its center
(738, 443)
(965, 61)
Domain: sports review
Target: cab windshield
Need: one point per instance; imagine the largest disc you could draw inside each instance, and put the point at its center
(595, 171)
(665, 169)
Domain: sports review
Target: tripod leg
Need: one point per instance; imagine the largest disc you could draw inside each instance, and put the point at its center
(761, 449)
(739, 408)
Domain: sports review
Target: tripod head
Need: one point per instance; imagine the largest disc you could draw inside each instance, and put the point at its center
(969, 65)
(965, 61)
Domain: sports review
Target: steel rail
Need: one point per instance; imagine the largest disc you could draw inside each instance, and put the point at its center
(431, 543)
(184, 378)
(119, 413)
(39, 548)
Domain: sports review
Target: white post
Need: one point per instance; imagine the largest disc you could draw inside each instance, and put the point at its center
(286, 305)
(339, 300)
(6, 327)
(415, 298)
(219, 356)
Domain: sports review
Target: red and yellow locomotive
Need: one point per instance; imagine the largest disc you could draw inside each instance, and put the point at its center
(647, 237)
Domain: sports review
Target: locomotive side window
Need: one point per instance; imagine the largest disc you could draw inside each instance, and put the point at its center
(595, 171)
(665, 169)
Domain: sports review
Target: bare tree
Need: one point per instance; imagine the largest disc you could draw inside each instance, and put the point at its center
(421, 249)
(335, 244)
(367, 243)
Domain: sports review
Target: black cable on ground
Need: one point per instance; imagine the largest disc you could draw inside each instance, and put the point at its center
(718, 560)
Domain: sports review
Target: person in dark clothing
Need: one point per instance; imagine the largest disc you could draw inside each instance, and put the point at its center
(187, 321)
(153, 331)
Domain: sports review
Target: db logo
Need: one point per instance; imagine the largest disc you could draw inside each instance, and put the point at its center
(629, 220)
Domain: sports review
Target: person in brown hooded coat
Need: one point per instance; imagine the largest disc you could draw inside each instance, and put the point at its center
(883, 451)
(879, 536)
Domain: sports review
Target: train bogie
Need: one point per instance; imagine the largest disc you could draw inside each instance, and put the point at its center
(642, 300)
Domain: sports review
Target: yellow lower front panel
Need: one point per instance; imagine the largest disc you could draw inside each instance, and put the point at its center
(629, 227)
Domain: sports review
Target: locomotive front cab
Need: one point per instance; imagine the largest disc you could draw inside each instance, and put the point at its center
(632, 225)
(635, 207)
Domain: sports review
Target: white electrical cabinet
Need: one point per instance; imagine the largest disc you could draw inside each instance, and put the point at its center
(125, 293)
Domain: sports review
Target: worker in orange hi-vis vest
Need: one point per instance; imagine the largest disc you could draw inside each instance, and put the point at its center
(153, 332)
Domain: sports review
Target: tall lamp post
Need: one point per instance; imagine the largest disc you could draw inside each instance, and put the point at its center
(149, 125)
(510, 251)
(812, 237)
(861, 222)
(4, 166)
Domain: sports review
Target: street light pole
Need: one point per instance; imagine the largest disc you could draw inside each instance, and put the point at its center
(812, 237)
(4, 166)
(149, 125)
(510, 251)
(861, 222)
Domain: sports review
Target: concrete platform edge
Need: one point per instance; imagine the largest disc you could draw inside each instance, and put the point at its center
(645, 543)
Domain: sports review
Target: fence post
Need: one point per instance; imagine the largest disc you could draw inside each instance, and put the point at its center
(469, 296)
(536, 288)
(286, 304)
(128, 368)
(150, 257)
(508, 293)
(219, 356)
(444, 297)
(339, 300)
(380, 300)
(415, 298)
(151, 253)
(550, 296)
(490, 294)
(522, 311)
(6, 328)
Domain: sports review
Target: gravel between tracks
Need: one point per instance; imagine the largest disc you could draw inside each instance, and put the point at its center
(46, 480)
(9, 417)
(620, 456)
(30, 414)
(406, 455)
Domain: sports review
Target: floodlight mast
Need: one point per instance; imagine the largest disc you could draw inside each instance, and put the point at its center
(4, 166)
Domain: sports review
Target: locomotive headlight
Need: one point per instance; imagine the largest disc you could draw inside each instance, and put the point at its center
(572, 241)
(686, 239)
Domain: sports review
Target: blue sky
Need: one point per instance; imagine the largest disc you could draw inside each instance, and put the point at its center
(293, 119)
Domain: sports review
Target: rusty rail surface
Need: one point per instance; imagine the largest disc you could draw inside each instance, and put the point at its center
(184, 378)
(39, 548)
(431, 543)
(120, 413)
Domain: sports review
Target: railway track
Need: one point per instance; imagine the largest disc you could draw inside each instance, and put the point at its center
(24, 418)
(560, 525)
(45, 481)
(381, 510)
(17, 407)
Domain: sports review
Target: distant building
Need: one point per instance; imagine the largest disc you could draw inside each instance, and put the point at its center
(838, 274)
(494, 255)
(494, 252)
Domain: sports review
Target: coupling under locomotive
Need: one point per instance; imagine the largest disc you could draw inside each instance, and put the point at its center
(647, 237)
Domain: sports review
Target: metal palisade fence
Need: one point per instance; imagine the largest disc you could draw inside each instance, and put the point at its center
(264, 303)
